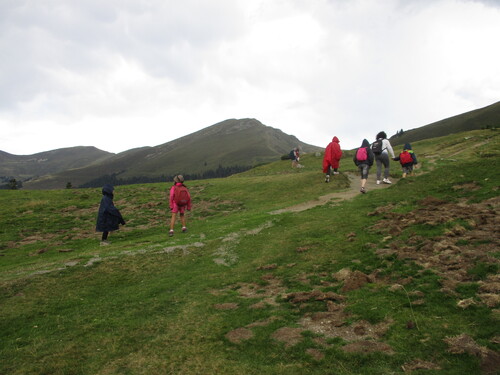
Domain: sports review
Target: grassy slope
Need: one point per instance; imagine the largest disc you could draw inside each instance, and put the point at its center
(482, 118)
(150, 304)
(244, 142)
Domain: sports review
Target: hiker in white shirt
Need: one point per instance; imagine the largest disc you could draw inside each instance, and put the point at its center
(382, 148)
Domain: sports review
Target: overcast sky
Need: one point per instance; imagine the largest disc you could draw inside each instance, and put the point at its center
(120, 74)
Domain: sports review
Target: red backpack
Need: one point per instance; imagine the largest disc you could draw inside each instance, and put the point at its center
(405, 158)
(181, 195)
(361, 154)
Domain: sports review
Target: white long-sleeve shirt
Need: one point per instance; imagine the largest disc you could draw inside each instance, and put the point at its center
(387, 148)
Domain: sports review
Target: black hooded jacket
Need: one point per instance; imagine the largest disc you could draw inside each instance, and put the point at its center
(108, 217)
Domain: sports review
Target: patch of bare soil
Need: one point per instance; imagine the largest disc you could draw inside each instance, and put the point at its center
(332, 322)
(226, 306)
(367, 346)
(272, 289)
(454, 254)
(419, 364)
(238, 335)
(490, 360)
(288, 336)
(315, 354)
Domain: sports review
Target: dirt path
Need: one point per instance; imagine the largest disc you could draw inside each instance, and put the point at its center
(339, 196)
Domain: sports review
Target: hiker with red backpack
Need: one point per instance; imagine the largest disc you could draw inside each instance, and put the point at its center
(408, 159)
(180, 200)
(363, 158)
(381, 149)
(331, 159)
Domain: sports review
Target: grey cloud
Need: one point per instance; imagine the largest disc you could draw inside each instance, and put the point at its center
(167, 38)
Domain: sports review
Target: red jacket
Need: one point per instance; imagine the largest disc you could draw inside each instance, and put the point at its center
(333, 153)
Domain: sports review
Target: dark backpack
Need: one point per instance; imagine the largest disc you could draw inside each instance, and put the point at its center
(362, 154)
(377, 147)
(405, 158)
(181, 195)
(291, 155)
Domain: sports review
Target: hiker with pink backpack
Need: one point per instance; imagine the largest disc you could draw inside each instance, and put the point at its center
(363, 158)
(408, 159)
(180, 200)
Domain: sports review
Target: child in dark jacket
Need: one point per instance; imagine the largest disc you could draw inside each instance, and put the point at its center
(177, 207)
(363, 158)
(408, 159)
(108, 217)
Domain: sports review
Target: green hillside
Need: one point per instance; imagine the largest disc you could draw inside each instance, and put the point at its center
(482, 118)
(240, 143)
(401, 279)
(25, 167)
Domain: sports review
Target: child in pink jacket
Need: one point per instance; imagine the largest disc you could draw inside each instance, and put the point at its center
(180, 200)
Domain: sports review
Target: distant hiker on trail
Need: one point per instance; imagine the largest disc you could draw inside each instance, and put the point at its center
(108, 217)
(408, 159)
(180, 200)
(363, 158)
(380, 149)
(331, 159)
(295, 156)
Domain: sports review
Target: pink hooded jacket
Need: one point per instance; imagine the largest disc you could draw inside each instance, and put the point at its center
(173, 205)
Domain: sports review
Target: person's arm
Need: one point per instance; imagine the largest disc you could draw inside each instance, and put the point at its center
(171, 197)
(389, 148)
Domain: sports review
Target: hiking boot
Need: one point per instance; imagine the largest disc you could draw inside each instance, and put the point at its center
(386, 181)
(184, 229)
(378, 182)
(336, 172)
(327, 178)
(362, 190)
(171, 233)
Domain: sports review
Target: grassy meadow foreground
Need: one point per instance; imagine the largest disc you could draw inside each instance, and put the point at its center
(403, 279)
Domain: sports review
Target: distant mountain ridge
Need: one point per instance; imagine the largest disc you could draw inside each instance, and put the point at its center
(25, 167)
(486, 117)
(234, 144)
(231, 145)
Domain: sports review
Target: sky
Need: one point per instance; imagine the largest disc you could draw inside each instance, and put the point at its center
(121, 74)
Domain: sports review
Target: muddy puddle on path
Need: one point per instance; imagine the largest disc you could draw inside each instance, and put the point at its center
(338, 196)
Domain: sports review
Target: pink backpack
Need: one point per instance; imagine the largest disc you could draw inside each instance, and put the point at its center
(361, 154)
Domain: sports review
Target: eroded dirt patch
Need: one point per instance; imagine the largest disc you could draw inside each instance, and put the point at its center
(490, 360)
(367, 346)
(456, 254)
(288, 336)
(238, 335)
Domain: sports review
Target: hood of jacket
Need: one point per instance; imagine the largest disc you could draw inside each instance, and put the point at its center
(365, 143)
(336, 140)
(407, 146)
(108, 190)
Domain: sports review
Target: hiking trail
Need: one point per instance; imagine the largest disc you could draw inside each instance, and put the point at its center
(338, 196)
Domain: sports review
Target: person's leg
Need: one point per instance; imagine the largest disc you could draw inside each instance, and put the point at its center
(104, 236)
(364, 176)
(183, 222)
(385, 161)
(379, 167)
(172, 223)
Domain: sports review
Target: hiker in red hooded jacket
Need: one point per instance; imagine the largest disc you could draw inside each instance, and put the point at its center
(333, 153)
